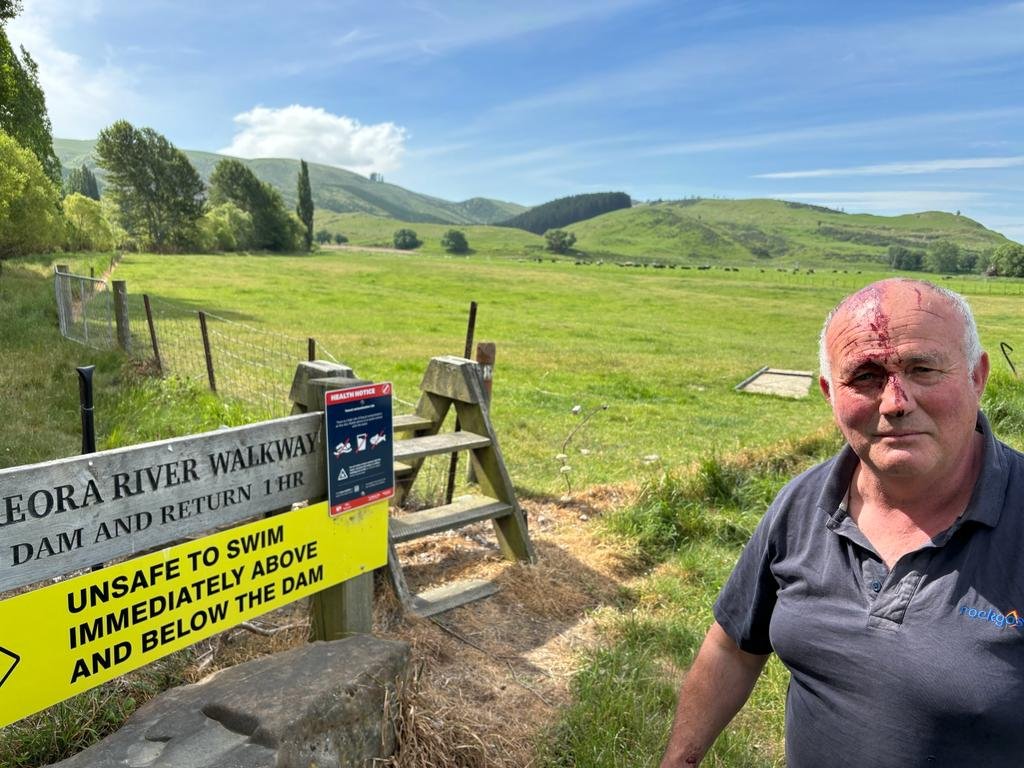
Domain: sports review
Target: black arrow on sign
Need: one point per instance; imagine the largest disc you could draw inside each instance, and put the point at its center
(15, 657)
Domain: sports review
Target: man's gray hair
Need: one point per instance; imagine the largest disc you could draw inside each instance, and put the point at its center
(971, 342)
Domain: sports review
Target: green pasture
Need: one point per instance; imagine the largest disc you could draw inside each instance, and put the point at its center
(753, 234)
(663, 349)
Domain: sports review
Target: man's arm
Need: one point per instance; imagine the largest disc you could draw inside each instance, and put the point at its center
(717, 685)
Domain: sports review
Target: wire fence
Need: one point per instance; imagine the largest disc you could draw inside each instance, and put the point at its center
(252, 365)
(85, 310)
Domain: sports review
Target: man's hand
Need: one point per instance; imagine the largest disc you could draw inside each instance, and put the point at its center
(717, 685)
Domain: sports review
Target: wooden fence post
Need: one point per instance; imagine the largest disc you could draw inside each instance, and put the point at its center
(485, 352)
(152, 335)
(347, 608)
(62, 283)
(124, 331)
(206, 352)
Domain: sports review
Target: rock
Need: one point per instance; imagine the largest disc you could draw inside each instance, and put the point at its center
(323, 705)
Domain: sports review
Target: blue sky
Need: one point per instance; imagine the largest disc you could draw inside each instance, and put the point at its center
(870, 107)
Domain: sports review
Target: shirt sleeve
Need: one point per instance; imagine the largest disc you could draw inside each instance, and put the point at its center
(744, 606)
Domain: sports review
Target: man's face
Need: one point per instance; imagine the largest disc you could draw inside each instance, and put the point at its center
(902, 392)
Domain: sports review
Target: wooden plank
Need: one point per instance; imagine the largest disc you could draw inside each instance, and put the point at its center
(461, 512)
(430, 445)
(441, 599)
(68, 514)
(410, 422)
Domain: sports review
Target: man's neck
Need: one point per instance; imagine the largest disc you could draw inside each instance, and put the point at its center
(900, 514)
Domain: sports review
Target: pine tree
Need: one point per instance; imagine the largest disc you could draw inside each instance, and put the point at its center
(305, 205)
(82, 181)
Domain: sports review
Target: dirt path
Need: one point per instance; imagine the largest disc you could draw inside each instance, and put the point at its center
(488, 677)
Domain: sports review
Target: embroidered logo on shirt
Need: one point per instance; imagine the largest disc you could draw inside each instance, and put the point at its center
(1001, 620)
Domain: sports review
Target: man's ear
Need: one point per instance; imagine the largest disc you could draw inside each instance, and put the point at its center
(825, 390)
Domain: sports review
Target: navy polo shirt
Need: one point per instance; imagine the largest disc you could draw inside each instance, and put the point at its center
(921, 665)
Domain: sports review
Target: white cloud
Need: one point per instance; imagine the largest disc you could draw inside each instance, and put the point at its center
(313, 134)
(903, 168)
(81, 97)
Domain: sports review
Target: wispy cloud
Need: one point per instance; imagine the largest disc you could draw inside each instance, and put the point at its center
(829, 132)
(902, 169)
(82, 96)
(426, 30)
(804, 59)
(312, 133)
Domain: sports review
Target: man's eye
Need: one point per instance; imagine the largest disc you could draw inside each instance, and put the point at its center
(864, 377)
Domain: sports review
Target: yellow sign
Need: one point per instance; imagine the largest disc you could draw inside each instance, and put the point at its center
(66, 638)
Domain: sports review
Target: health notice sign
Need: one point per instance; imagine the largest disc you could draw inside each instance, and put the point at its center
(360, 462)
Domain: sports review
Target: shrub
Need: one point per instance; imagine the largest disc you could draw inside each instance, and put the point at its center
(454, 241)
(406, 240)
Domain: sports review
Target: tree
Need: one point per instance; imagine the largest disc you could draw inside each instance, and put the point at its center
(901, 257)
(454, 241)
(23, 114)
(559, 241)
(87, 228)
(944, 257)
(340, 238)
(159, 194)
(30, 220)
(82, 181)
(304, 208)
(273, 228)
(1008, 260)
(226, 227)
(323, 236)
(406, 240)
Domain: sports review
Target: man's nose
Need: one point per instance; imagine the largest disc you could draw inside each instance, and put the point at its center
(896, 400)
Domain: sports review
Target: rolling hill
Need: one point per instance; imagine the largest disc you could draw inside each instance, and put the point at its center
(762, 233)
(756, 233)
(334, 189)
(769, 233)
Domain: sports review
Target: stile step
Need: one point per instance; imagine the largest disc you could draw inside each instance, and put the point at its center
(444, 598)
(463, 511)
(410, 422)
(431, 445)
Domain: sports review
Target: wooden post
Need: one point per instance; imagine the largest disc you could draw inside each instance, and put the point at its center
(347, 608)
(485, 352)
(152, 335)
(124, 331)
(206, 352)
(453, 463)
(311, 349)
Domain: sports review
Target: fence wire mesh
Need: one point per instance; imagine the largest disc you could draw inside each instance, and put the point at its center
(252, 365)
(85, 310)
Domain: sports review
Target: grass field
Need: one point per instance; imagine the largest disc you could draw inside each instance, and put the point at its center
(662, 348)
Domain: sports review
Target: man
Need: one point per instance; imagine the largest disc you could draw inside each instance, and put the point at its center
(887, 579)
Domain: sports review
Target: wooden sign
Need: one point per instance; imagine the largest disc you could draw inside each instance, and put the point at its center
(70, 514)
(65, 638)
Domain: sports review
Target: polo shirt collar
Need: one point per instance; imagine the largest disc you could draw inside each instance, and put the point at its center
(986, 502)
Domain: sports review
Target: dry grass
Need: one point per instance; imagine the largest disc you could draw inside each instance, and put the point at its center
(488, 678)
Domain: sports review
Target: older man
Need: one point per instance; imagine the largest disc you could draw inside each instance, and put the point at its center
(888, 579)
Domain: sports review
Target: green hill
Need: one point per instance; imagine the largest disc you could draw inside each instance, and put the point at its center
(753, 233)
(334, 189)
(769, 233)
